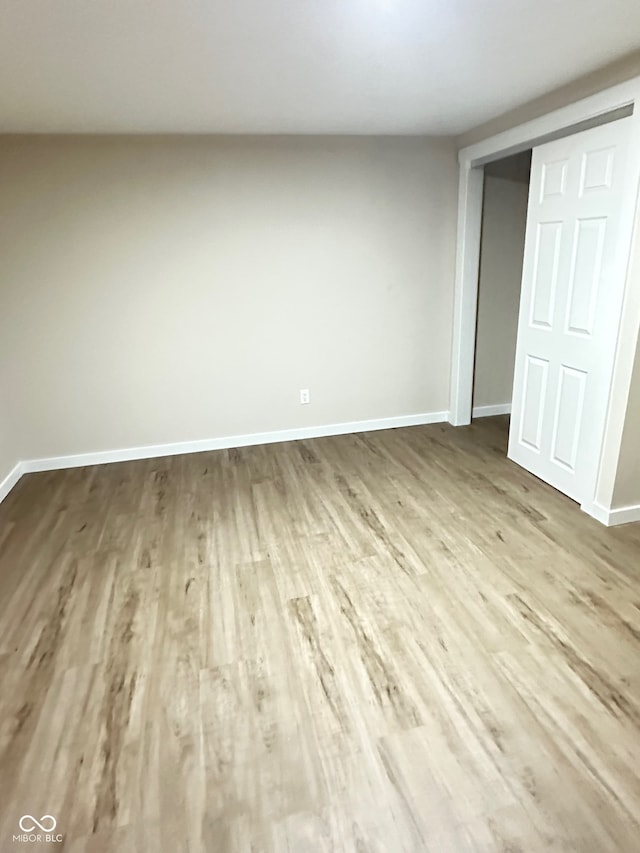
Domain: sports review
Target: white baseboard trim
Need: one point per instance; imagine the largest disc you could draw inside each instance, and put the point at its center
(151, 451)
(600, 513)
(625, 514)
(612, 517)
(609, 517)
(490, 411)
(10, 480)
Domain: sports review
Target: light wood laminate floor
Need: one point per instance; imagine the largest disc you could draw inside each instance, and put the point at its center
(374, 643)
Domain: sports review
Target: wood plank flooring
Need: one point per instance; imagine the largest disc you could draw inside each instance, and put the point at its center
(374, 643)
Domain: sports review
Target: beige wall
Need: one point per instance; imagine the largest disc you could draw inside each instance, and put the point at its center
(8, 451)
(504, 219)
(170, 289)
(8, 444)
(627, 486)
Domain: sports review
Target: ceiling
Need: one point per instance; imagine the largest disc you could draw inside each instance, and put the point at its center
(294, 66)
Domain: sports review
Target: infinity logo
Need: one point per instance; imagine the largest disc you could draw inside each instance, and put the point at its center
(47, 823)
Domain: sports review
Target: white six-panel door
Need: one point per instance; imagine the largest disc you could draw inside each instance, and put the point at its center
(572, 288)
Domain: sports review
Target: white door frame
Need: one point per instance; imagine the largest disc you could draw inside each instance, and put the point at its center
(470, 192)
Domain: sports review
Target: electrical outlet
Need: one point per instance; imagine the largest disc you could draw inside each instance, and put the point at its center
(304, 396)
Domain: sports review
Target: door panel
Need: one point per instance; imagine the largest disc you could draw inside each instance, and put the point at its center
(570, 306)
(545, 275)
(597, 170)
(554, 179)
(585, 275)
(566, 428)
(535, 386)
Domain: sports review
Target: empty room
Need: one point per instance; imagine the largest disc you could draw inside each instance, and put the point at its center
(320, 426)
